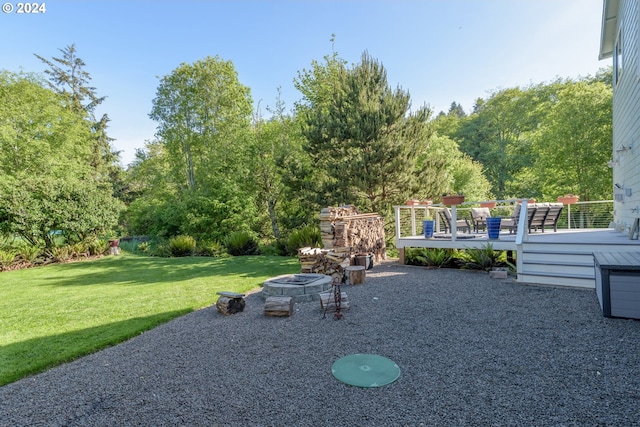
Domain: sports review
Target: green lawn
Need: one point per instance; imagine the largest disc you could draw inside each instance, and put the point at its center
(53, 314)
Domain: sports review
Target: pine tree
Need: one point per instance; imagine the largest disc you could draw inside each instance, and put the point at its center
(68, 78)
(361, 132)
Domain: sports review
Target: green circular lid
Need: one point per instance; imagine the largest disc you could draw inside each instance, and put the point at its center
(365, 370)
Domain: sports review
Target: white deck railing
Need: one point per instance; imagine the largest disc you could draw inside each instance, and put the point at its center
(592, 214)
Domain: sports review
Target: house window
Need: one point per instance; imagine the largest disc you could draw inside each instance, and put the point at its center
(617, 59)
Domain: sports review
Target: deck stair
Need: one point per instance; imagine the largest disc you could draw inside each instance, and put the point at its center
(561, 264)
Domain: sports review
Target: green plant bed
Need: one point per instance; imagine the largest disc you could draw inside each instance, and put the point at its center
(433, 257)
(485, 258)
(57, 313)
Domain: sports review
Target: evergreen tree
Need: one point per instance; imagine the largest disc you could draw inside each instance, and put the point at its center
(456, 110)
(68, 78)
(361, 134)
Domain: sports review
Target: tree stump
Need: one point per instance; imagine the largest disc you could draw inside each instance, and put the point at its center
(278, 306)
(356, 274)
(230, 303)
(328, 302)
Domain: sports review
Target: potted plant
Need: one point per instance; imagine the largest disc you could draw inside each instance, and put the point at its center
(528, 201)
(489, 205)
(413, 202)
(448, 200)
(568, 199)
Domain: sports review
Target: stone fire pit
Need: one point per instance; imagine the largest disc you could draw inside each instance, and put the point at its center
(304, 287)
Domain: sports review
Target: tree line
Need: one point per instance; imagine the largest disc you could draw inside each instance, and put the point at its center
(540, 141)
(218, 165)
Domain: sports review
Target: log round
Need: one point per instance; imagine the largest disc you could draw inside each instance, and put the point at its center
(357, 274)
(328, 302)
(230, 305)
(278, 306)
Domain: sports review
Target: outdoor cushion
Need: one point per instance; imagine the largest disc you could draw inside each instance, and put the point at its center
(479, 217)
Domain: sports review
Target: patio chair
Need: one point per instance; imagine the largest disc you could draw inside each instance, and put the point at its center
(553, 215)
(479, 218)
(511, 223)
(545, 215)
(461, 224)
(540, 212)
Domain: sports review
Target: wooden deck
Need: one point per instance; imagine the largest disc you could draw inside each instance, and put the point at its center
(563, 257)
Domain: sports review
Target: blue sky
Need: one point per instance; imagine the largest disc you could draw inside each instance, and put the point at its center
(439, 50)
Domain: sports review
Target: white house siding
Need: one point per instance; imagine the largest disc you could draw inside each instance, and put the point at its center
(626, 119)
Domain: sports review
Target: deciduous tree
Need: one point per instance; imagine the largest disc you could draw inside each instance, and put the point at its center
(38, 136)
(193, 177)
(46, 180)
(574, 144)
(203, 114)
(273, 145)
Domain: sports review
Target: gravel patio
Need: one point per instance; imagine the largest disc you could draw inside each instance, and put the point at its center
(472, 351)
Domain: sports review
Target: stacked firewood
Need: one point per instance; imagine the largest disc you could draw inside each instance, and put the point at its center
(328, 216)
(331, 262)
(345, 233)
(346, 227)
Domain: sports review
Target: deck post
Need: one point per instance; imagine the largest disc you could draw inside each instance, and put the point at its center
(454, 218)
(413, 221)
(397, 209)
(522, 233)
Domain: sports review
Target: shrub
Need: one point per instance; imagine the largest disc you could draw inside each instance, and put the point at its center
(308, 235)
(412, 256)
(271, 249)
(7, 257)
(33, 204)
(210, 248)
(277, 247)
(241, 243)
(482, 258)
(5, 242)
(182, 246)
(162, 249)
(281, 245)
(29, 253)
(434, 257)
(143, 247)
(79, 249)
(98, 246)
(61, 253)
